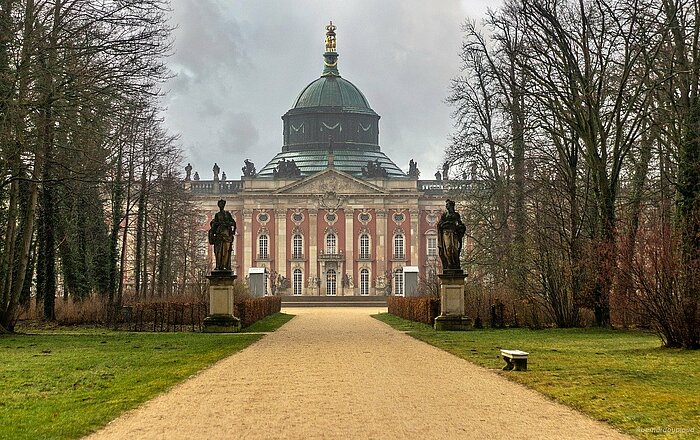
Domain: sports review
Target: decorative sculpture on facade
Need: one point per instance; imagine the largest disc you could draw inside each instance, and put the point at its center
(223, 229)
(413, 169)
(445, 170)
(450, 234)
(248, 169)
(196, 176)
(188, 172)
(216, 170)
(286, 169)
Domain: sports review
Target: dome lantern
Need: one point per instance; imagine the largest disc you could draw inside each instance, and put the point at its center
(330, 57)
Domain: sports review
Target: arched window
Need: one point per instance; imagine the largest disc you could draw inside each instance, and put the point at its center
(398, 282)
(399, 252)
(364, 282)
(262, 247)
(297, 281)
(331, 243)
(297, 246)
(331, 278)
(364, 246)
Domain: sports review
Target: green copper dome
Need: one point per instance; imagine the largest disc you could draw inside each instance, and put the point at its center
(332, 91)
(331, 115)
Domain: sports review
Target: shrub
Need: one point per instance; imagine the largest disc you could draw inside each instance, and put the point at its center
(421, 309)
(250, 310)
(665, 291)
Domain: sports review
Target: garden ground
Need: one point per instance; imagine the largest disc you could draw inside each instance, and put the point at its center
(338, 373)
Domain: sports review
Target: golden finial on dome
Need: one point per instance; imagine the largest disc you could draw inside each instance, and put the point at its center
(330, 37)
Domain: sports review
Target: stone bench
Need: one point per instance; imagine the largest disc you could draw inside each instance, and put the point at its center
(515, 360)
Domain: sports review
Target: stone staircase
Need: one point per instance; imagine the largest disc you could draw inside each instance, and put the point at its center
(334, 301)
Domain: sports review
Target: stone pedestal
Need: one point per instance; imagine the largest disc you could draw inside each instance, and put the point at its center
(221, 309)
(452, 302)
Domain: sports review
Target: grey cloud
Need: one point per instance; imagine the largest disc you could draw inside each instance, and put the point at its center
(242, 63)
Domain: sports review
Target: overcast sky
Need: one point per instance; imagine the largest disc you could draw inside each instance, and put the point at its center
(240, 64)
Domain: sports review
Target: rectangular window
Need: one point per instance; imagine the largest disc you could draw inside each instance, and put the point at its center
(331, 244)
(398, 282)
(297, 246)
(398, 247)
(262, 247)
(432, 246)
(364, 247)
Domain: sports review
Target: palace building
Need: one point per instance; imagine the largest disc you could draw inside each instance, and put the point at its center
(330, 214)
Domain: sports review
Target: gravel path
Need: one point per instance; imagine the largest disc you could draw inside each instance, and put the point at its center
(340, 374)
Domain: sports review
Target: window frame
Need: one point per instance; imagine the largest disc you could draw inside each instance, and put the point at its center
(263, 244)
(364, 281)
(297, 246)
(368, 254)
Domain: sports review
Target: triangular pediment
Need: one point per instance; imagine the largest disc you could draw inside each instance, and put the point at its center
(330, 180)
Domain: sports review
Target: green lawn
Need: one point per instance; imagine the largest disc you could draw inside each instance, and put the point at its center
(66, 384)
(269, 324)
(621, 377)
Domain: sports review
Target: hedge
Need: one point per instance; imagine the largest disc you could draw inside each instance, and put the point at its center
(421, 309)
(254, 309)
(163, 316)
(166, 316)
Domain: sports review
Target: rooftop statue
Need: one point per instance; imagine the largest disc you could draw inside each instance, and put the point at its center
(374, 169)
(196, 176)
(223, 229)
(450, 234)
(413, 169)
(216, 170)
(188, 171)
(445, 170)
(248, 169)
(286, 168)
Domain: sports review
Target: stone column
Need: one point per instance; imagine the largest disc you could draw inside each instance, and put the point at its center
(247, 234)
(350, 248)
(281, 241)
(313, 249)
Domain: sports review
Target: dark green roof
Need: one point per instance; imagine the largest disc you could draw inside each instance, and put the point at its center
(348, 161)
(332, 91)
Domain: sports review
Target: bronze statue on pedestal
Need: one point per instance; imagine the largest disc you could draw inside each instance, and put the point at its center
(223, 229)
(450, 234)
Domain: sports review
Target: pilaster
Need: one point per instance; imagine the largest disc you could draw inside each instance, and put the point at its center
(248, 248)
(416, 236)
(350, 248)
(381, 243)
(313, 249)
(281, 241)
